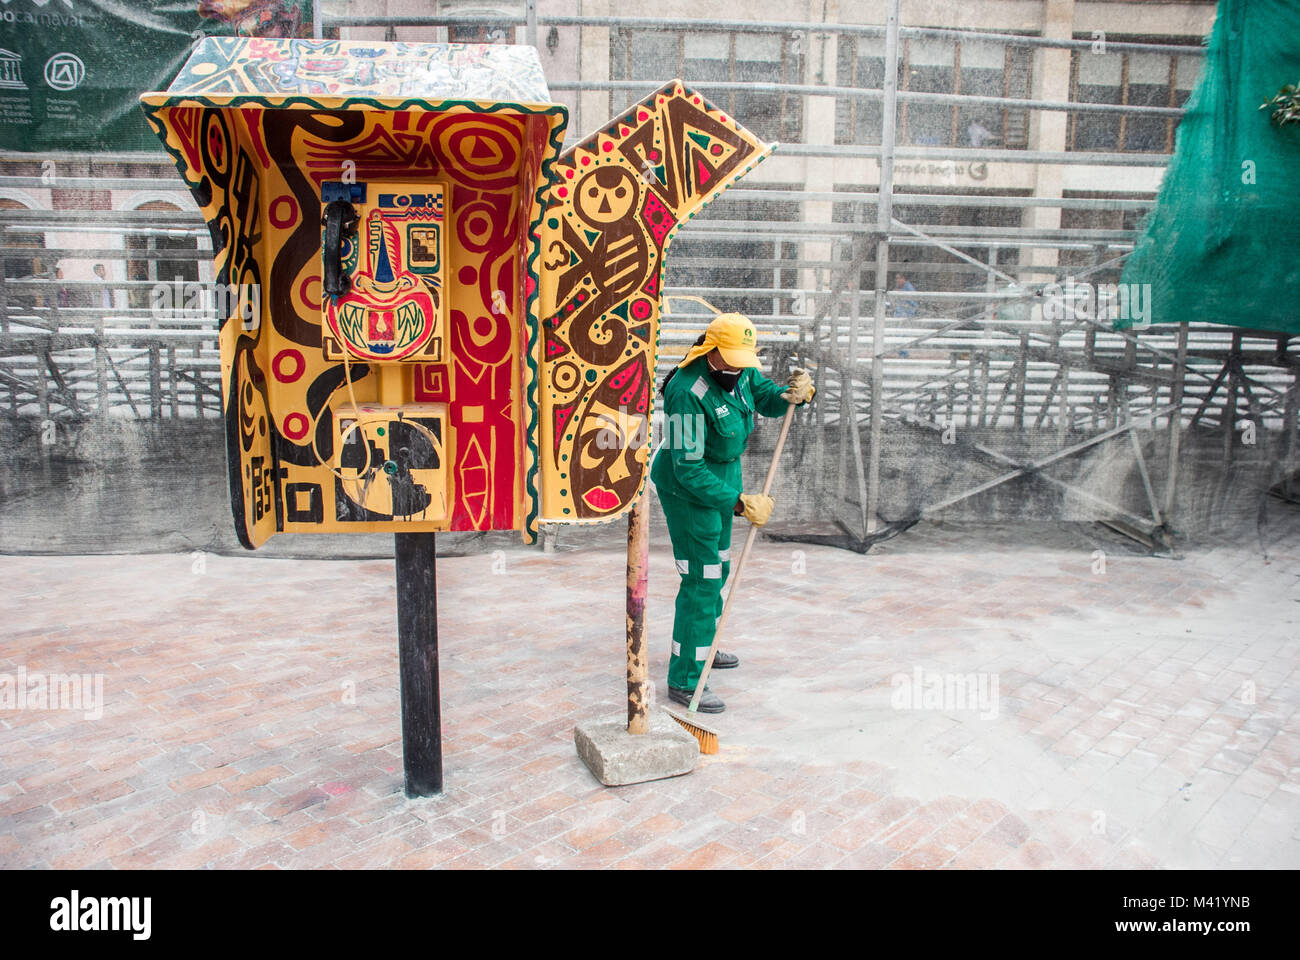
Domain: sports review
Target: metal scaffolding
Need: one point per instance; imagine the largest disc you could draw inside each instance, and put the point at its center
(974, 375)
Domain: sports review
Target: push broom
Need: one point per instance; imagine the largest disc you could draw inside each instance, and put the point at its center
(707, 737)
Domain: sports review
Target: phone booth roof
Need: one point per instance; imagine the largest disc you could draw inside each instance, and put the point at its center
(251, 72)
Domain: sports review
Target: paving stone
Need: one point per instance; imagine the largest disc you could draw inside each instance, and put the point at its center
(1120, 697)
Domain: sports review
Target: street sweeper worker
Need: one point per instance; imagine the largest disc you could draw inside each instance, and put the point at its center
(710, 400)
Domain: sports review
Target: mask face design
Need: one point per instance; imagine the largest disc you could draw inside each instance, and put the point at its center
(610, 452)
(725, 381)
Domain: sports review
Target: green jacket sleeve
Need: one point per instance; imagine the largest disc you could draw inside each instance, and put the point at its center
(767, 396)
(684, 444)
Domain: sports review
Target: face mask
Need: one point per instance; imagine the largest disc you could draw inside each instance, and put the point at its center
(725, 381)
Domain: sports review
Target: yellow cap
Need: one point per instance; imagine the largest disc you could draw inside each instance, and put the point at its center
(735, 339)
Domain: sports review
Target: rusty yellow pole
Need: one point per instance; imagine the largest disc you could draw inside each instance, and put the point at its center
(638, 668)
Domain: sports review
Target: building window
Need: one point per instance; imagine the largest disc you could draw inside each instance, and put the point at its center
(19, 265)
(860, 63)
(971, 67)
(929, 67)
(732, 57)
(1117, 225)
(1135, 79)
(146, 258)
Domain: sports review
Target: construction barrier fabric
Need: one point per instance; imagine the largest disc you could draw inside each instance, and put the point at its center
(71, 74)
(1220, 245)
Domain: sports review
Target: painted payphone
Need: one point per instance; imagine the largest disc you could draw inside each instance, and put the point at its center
(457, 323)
(382, 286)
(457, 318)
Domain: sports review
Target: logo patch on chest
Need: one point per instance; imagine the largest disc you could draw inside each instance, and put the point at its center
(722, 411)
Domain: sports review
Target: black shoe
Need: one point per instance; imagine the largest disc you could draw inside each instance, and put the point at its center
(725, 661)
(710, 702)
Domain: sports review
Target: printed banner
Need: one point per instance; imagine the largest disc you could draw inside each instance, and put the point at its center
(72, 71)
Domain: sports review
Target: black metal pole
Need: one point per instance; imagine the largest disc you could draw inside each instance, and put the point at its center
(417, 645)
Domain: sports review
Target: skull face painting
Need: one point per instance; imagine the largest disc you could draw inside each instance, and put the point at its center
(605, 199)
(605, 195)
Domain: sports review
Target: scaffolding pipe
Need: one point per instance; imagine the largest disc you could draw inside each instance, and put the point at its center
(968, 154)
(755, 26)
(884, 216)
(869, 93)
(530, 22)
(1175, 422)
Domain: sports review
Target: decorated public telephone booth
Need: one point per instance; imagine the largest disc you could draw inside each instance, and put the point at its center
(436, 318)
(441, 321)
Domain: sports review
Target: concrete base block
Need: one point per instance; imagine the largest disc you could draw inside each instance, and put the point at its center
(616, 757)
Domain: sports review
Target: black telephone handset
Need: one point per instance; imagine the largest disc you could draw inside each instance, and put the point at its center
(340, 223)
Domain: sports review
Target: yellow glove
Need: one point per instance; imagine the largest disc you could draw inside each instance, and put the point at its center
(799, 388)
(757, 507)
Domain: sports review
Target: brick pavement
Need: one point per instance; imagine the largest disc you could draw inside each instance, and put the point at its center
(1145, 716)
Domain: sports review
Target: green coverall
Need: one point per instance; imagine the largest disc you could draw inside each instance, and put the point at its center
(696, 472)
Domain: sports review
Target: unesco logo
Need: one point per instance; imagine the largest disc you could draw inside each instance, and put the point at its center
(64, 71)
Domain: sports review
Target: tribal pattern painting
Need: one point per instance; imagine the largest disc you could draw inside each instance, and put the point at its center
(471, 175)
(503, 305)
(393, 309)
(615, 202)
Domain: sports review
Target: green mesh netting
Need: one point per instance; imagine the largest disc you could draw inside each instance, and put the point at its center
(1222, 244)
